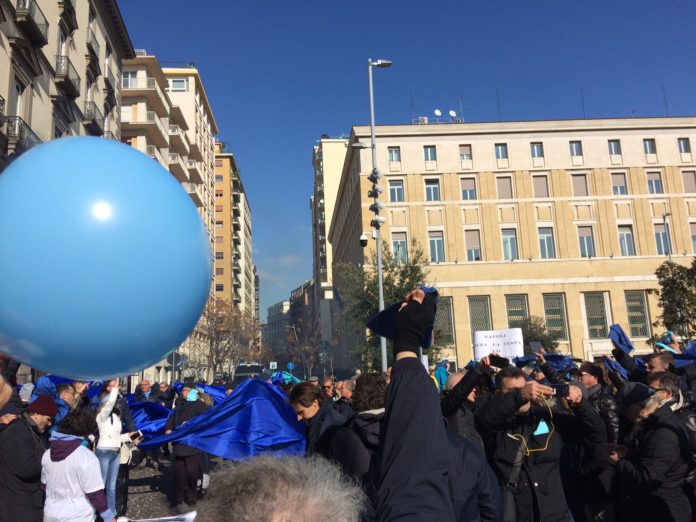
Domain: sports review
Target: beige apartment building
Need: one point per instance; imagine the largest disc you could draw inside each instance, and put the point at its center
(562, 220)
(60, 64)
(327, 162)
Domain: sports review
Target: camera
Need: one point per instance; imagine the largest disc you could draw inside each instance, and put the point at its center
(363, 240)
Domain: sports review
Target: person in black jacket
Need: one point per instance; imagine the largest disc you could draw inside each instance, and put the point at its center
(519, 425)
(318, 413)
(22, 446)
(651, 472)
(421, 471)
(147, 392)
(457, 403)
(166, 395)
(187, 459)
(592, 377)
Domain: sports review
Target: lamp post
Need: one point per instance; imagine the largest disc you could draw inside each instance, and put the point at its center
(669, 240)
(377, 205)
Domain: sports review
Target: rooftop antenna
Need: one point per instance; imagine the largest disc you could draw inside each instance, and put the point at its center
(461, 108)
(437, 113)
(497, 95)
(664, 99)
(453, 115)
(582, 102)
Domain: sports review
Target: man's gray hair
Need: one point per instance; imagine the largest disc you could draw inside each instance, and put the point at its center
(350, 384)
(281, 489)
(453, 379)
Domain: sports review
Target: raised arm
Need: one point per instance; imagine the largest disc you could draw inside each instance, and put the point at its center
(105, 412)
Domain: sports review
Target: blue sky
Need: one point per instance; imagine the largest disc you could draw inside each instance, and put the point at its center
(280, 73)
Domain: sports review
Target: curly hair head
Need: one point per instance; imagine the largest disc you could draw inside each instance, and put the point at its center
(370, 392)
(79, 422)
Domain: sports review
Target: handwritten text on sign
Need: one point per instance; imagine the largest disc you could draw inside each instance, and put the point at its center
(505, 343)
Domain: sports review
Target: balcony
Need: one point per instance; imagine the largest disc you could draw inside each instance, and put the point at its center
(32, 21)
(67, 14)
(177, 167)
(110, 136)
(67, 77)
(177, 139)
(196, 152)
(236, 265)
(194, 191)
(155, 154)
(92, 119)
(151, 124)
(195, 171)
(20, 137)
(110, 79)
(93, 48)
(236, 224)
(148, 88)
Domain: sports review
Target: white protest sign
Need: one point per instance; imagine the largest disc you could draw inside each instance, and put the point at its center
(504, 343)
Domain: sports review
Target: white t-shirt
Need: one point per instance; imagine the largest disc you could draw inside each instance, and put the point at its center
(67, 483)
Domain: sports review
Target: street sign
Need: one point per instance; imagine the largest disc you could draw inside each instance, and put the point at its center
(291, 366)
(273, 365)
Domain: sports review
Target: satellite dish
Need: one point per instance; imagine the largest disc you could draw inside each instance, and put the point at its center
(452, 114)
(437, 112)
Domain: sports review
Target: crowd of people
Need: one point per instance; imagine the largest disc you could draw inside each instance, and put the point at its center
(607, 440)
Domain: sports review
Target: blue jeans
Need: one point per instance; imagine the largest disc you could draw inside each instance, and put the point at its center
(108, 462)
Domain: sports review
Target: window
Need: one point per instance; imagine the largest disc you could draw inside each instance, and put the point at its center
(432, 190)
(637, 311)
(501, 152)
(444, 320)
(437, 246)
(465, 153)
(468, 188)
(219, 287)
(218, 208)
(654, 183)
(618, 183)
(555, 314)
(429, 153)
(516, 310)
(218, 224)
(219, 271)
(626, 243)
(472, 240)
(218, 162)
(218, 193)
(394, 153)
(547, 249)
(219, 255)
(396, 190)
(537, 149)
(479, 314)
(218, 239)
(541, 186)
(178, 84)
(129, 79)
(218, 178)
(689, 181)
(580, 185)
(649, 146)
(684, 145)
(662, 239)
(400, 247)
(504, 185)
(615, 147)
(596, 314)
(586, 242)
(692, 227)
(509, 244)
(575, 148)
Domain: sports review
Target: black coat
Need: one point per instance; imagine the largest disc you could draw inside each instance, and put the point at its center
(21, 449)
(601, 400)
(353, 444)
(650, 479)
(321, 428)
(153, 397)
(344, 407)
(538, 491)
(458, 412)
(185, 411)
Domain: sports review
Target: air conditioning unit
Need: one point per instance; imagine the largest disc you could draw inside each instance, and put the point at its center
(422, 120)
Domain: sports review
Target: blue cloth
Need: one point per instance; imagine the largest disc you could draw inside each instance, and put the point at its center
(441, 375)
(691, 348)
(560, 363)
(150, 418)
(216, 392)
(614, 366)
(620, 339)
(384, 323)
(45, 386)
(282, 377)
(254, 419)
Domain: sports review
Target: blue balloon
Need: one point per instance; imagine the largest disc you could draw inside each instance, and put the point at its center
(105, 264)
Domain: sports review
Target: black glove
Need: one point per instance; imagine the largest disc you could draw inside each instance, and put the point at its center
(413, 323)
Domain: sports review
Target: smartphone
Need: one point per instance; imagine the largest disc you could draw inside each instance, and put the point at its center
(499, 362)
(562, 390)
(136, 435)
(536, 346)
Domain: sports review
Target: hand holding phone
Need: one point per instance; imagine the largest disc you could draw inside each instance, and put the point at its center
(136, 435)
(499, 362)
(562, 390)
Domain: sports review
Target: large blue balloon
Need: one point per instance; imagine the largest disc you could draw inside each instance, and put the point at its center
(105, 264)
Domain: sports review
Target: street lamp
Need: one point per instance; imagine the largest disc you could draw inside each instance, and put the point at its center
(669, 240)
(374, 177)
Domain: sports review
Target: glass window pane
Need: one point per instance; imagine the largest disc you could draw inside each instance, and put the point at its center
(400, 247)
(649, 146)
(541, 186)
(555, 314)
(692, 228)
(662, 239)
(479, 314)
(432, 190)
(684, 146)
(468, 186)
(472, 240)
(501, 151)
(504, 185)
(547, 249)
(444, 320)
(654, 183)
(429, 153)
(516, 310)
(465, 152)
(618, 183)
(576, 148)
(615, 147)
(396, 190)
(626, 242)
(586, 242)
(437, 246)
(537, 150)
(579, 185)
(637, 311)
(689, 181)
(394, 153)
(596, 314)
(509, 244)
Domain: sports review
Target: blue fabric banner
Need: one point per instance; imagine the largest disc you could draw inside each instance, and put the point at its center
(620, 339)
(256, 418)
(150, 418)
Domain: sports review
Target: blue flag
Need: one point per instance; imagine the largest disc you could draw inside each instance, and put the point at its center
(614, 366)
(216, 392)
(256, 418)
(150, 418)
(384, 323)
(620, 339)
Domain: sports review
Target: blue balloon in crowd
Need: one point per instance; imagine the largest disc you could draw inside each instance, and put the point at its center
(105, 264)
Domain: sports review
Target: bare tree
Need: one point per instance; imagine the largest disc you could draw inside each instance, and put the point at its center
(227, 337)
